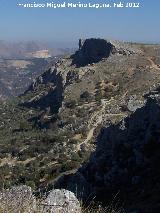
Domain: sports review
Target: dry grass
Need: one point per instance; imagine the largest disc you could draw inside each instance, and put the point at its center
(92, 208)
(21, 200)
(100, 209)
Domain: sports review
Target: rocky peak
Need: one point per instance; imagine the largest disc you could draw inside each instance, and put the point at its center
(91, 51)
(94, 50)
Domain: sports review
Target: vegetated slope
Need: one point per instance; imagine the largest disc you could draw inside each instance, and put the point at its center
(51, 129)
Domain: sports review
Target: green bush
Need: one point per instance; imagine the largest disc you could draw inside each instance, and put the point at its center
(31, 184)
(86, 96)
(69, 165)
(98, 96)
(71, 104)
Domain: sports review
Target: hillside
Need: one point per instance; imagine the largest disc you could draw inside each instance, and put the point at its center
(52, 129)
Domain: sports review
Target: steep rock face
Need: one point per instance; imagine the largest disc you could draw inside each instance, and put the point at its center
(50, 91)
(126, 160)
(94, 50)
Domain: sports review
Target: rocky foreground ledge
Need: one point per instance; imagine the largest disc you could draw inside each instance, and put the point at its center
(21, 199)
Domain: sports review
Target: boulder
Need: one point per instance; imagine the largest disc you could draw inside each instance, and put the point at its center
(60, 201)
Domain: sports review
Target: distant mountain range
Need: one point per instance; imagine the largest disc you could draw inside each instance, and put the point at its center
(21, 62)
(29, 48)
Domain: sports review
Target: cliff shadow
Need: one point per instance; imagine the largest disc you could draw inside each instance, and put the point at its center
(47, 90)
(91, 51)
(126, 160)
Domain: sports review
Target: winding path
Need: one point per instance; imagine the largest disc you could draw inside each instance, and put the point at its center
(153, 64)
(95, 120)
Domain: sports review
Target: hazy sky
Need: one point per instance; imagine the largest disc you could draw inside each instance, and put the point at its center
(67, 25)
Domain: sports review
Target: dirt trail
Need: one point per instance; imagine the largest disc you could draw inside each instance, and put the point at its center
(69, 172)
(89, 136)
(95, 120)
(153, 65)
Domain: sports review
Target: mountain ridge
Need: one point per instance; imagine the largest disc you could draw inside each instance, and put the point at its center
(51, 130)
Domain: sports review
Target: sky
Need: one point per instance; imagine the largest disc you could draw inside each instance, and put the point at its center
(64, 25)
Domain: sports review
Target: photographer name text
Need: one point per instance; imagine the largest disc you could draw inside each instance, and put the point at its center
(55, 5)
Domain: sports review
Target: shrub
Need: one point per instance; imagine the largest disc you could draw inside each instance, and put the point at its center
(31, 184)
(69, 165)
(23, 126)
(75, 156)
(71, 104)
(98, 96)
(86, 96)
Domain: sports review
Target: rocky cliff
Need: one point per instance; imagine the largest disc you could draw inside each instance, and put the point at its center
(94, 50)
(125, 161)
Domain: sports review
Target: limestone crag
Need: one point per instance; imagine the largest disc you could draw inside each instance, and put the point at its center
(18, 199)
(93, 50)
(21, 199)
(62, 201)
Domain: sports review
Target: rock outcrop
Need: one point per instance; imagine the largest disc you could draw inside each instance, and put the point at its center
(60, 201)
(21, 199)
(50, 88)
(94, 50)
(18, 199)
